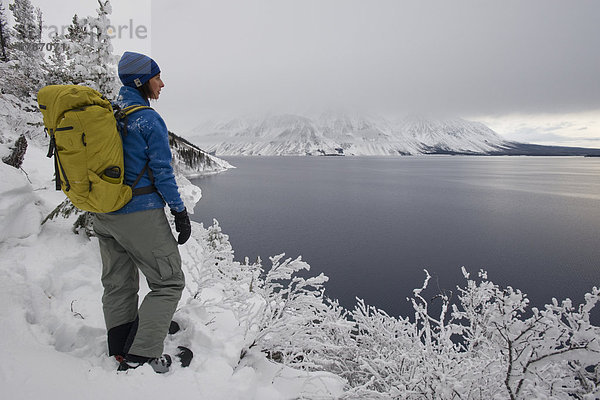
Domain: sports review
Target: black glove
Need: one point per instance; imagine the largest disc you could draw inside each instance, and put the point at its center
(182, 225)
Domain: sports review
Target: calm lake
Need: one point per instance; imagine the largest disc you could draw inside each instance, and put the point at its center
(372, 224)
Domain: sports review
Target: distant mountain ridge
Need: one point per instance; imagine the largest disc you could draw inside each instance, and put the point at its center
(331, 133)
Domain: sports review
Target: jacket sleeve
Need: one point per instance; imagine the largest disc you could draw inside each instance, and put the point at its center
(159, 154)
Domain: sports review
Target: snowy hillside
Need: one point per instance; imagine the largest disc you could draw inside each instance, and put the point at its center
(53, 339)
(189, 160)
(451, 135)
(331, 133)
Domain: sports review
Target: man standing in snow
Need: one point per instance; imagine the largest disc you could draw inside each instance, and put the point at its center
(138, 236)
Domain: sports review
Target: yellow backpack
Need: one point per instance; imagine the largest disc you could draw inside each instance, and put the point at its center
(87, 147)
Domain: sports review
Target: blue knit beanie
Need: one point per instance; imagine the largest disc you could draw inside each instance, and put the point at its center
(135, 69)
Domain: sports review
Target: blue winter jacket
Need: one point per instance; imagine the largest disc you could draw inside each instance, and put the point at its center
(147, 139)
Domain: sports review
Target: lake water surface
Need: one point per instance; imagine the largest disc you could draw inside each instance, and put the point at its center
(372, 224)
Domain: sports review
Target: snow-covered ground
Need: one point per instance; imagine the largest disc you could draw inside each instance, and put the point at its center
(52, 334)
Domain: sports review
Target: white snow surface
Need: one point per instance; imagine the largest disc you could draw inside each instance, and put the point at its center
(344, 133)
(52, 335)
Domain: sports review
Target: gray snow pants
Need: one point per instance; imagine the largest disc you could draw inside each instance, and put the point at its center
(128, 242)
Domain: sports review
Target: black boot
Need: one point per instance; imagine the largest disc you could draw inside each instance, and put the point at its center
(160, 365)
(117, 339)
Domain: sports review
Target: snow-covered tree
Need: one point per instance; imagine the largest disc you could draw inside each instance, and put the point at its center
(67, 50)
(27, 73)
(77, 30)
(102, 59)
(4, 35)
(58, 73)
(40, 23)
(84, 55)
(26, 26)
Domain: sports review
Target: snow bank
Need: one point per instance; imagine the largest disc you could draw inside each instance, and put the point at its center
(190, 194)
(19, 216)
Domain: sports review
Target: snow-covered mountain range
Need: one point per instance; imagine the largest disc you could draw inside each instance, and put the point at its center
(331, 133)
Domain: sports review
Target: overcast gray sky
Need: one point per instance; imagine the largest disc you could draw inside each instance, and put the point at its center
(506, 62)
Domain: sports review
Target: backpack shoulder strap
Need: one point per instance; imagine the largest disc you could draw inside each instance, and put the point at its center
(134, 108)
(122, 114)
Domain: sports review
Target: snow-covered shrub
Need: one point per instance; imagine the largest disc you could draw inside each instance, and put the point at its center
(484, 344)
(284, 313)
(487, 348)
(389, 357)
(215, 266)
(554, 352)
(83, 223)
